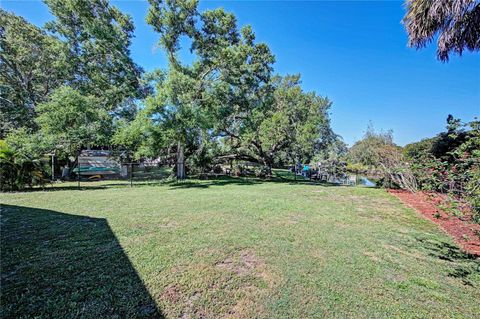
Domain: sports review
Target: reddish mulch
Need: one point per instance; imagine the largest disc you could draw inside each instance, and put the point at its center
(465, 233)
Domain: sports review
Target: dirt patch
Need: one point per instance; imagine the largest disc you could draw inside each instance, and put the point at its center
(395, 277)
(190, 311)
(246, 262)
(295, 218)
(463, 232)
(341, 225)
(171, 294)
(372, 256)
(243, 264)
(246, 307)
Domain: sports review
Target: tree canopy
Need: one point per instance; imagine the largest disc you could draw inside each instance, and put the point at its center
(285, 122)
(98, 37)
(32, 64)
(229, 71)
(226, 103)
(71, 120)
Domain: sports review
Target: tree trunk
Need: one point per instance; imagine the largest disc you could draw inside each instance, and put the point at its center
(180, 161)
(268, 163)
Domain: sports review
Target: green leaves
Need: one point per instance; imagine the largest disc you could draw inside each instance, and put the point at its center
(32, 64)
(172, 18)
(18, 169)
(228, 91)
(98, 37)
(196, 102)
(287, 125)
(73, 120)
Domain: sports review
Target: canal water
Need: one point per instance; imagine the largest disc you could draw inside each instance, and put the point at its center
(366, 182)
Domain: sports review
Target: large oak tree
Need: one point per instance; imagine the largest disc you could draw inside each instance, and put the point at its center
(228, 71)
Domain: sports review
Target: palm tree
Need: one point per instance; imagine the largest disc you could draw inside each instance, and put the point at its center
(457, 23)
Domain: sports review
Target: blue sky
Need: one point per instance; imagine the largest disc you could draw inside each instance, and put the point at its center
(354, 52)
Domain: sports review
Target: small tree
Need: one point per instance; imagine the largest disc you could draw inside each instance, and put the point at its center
(378, 152)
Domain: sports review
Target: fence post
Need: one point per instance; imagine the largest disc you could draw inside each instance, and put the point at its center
(78, 169)
(53, 166)
(131, 174)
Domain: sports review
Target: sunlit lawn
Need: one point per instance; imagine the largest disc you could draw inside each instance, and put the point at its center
(230, 248)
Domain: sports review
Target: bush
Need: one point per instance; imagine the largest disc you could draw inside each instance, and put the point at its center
(18, 171)
(451, 164)
(261, 171)
(217, 169)
(378, 152)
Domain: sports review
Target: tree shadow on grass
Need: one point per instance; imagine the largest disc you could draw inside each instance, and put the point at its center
(192, 182)
(56, 265)
(84, 185)
(230, 180)
(464, 265)
(218, 181)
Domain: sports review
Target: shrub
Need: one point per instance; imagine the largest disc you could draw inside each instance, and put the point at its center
(451, 164)
(18, 171)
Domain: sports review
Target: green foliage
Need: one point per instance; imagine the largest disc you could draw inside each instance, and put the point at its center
(18, 170)
(414, 150)
(98, 37)
(367, 151)
(284, 126)
(193, 104)
(32, 64)
(224, 103)
(383, 159)
(87, 49)
(26, 143)
(357, 168)
(72, 120)
(335, 149)
(451, 163)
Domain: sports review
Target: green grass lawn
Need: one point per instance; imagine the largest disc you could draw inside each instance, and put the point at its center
(228, 249)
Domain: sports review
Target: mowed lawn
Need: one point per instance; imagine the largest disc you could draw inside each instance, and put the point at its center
(228, 249)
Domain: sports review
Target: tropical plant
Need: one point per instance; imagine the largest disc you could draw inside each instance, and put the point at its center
(18, 170)
(457, 23)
